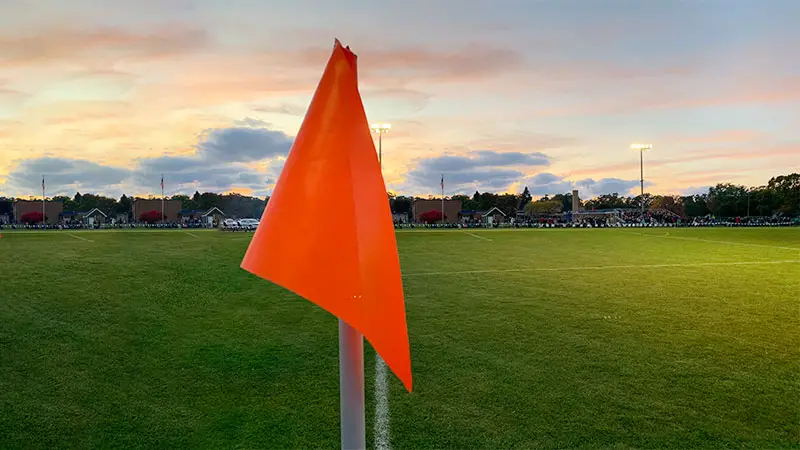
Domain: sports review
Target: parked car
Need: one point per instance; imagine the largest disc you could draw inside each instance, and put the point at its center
(250, 224)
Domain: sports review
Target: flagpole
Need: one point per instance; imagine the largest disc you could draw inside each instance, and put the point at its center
(351, 387)
(163, 219)
(43, 209)
(442, 199)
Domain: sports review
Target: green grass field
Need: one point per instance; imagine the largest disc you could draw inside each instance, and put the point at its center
(648, 338)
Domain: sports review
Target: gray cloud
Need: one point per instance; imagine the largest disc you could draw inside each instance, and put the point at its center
(63, 175)
(251, 142)
(281, 108)
(219, 164)
(695, 190)
(549, 184)
(482, 170)
(546, 183)
(482, 158)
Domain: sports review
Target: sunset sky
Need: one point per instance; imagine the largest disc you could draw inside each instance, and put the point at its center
(103, 97)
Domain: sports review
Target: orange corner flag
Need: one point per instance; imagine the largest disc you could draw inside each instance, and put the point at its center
(348, 266)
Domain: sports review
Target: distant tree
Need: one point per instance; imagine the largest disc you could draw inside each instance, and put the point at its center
(524, 198)
(786, 191)
(432, 216)
(508, 203)
(402, 205)
(467, 202)
(605, 201)
(209, 200)
(150, 216)
(670, 203)
(727, 200)
(543, 207)
(487, 201)
(66, 201)
(695, 205)
(124, 206)
(186, 202)
(32, 217)
(566, 201)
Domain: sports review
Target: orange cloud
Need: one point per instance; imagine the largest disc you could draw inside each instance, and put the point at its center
(722, 136)
(108, 44)
(778, 90)
(767, 151)
(461, 64)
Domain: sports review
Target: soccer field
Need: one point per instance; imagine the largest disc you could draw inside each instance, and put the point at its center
(621, 338)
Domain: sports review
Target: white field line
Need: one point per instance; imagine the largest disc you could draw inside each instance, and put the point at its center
(192, 235)
(382, 441)
(668, 236)
(627, 266)
(476, 236)
(78, 237)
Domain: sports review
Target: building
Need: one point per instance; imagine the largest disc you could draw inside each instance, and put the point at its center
(71, 217)
(492, 216)
(451, 208)
(95, 217)
(210, 217)
(52, 210)
(576, 201)
(190, 215)
(214, 215)
(144, 205)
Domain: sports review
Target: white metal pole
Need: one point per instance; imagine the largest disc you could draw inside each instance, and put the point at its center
(351, 387)
(641, 176)
(442, 199)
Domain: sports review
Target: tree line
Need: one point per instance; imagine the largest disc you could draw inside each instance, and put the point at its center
(781, 194)
(233, 205)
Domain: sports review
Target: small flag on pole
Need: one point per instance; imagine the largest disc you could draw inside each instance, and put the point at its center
(162, 183)
(442, 183)
(353, 269)
(42, 184)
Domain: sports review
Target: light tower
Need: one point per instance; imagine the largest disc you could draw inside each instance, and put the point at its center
(641, 148)
(381, 129)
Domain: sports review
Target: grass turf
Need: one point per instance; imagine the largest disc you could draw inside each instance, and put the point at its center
(628, 338)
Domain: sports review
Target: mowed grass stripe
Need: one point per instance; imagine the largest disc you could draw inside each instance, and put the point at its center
(582, 268)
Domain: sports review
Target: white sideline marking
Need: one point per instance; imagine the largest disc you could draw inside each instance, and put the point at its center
(628, 266)
(476, 236)
(667, 236)
(381, 405)
(192, 235)
(78, 237)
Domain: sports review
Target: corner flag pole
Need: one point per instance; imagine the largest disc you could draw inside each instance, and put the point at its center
(351, 387)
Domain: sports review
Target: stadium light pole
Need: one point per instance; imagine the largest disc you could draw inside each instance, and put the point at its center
(381, 129)
(641, 148)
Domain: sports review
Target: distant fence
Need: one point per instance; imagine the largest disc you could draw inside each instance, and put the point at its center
(788, 223)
